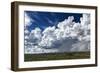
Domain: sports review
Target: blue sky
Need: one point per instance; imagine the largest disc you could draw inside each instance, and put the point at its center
(45, 19)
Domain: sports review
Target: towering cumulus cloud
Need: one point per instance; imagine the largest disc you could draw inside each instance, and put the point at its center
(67, 36)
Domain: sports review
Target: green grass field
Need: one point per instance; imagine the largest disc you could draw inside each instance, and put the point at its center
(56, 56)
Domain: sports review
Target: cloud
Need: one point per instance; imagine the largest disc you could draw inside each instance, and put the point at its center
(68, 36)
(81, 46)
(28, 20)
(35, 36)
(37, 50)
(85, 20)
(26, 32)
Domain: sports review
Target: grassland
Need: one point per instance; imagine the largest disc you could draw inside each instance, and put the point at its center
(56, 56)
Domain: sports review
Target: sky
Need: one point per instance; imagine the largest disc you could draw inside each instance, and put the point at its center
(45, 19)
(48, 32)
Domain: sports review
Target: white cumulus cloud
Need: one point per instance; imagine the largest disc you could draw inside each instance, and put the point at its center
(28, 20)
